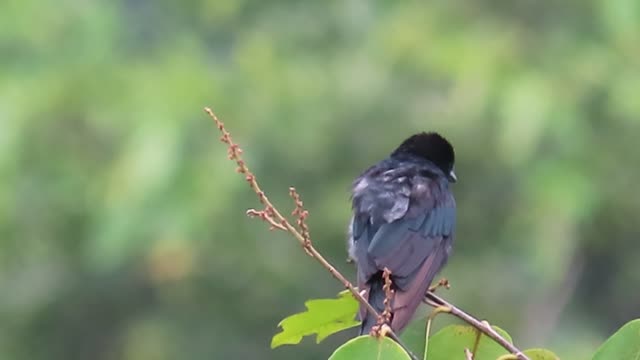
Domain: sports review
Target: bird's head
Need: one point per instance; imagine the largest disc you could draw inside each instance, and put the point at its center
(430, 146)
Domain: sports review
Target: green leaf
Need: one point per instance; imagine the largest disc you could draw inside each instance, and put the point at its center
(367, 347)
(323, 317)
(624, 344)
(451, 341)
(541, 354)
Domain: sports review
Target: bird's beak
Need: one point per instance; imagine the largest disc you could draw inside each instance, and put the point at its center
(452, 176)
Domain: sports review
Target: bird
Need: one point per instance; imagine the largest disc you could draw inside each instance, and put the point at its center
(404, 216)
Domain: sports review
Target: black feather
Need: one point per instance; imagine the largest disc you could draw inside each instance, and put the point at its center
(404, 219)
(429, 146)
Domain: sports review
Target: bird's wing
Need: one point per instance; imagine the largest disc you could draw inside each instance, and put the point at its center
(404, 245)
(414, 248)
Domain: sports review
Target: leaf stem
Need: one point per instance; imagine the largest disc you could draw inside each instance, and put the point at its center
(438, 310)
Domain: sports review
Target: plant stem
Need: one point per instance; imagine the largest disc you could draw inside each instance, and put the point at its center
(483, 326)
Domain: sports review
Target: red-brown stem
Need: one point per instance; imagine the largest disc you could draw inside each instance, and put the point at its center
(388, 295)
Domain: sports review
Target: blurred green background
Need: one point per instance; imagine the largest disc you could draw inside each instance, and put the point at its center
(122, 227)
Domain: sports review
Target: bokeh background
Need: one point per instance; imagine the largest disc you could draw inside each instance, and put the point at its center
(122, 227)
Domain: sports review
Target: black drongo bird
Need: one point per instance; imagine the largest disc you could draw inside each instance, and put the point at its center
(403, 219)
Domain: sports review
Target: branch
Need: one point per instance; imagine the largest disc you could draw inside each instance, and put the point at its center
(482, 326)
(276, 220)
(468, 355)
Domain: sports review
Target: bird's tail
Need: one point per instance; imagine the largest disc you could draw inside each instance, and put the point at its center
(376, 299)
(404, 302)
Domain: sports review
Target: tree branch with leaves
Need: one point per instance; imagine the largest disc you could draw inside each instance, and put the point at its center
(340, 312)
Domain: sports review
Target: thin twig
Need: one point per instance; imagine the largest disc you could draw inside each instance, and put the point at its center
(301, 214)
(437, 310)
(441, 283)
(234, 153)
(476, 342)
(468, 355)
(483, 326)
(265, 217)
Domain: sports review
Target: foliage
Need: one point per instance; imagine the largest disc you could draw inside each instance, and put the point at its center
(453, 339)
(323, 317)
(329, 316)
(367, 347)
(624, 344)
